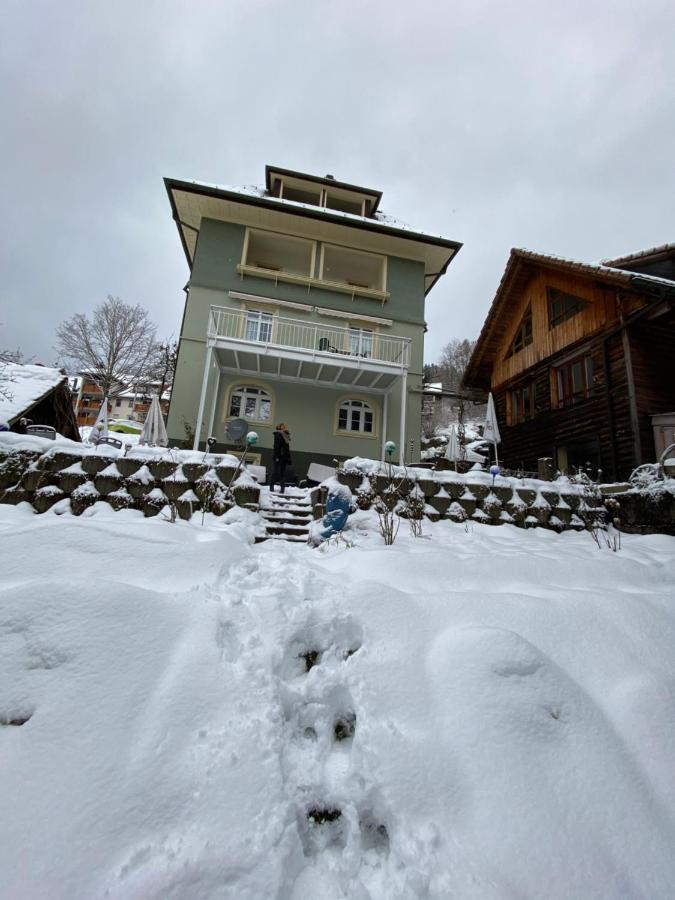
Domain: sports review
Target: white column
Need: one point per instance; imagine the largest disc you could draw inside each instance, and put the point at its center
(216, 391)
(202, 398)
(385, 407)
(404, 399)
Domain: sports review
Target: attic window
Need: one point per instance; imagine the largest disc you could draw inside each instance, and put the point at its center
(523, 336)
(563, 306)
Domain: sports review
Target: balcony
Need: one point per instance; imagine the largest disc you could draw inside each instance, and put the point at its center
(261, 343)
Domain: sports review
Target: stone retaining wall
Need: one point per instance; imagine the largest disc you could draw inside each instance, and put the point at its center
(132, 481)
(526, 503)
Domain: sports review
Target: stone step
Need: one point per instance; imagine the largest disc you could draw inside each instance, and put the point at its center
(285, 520)
(288, 538)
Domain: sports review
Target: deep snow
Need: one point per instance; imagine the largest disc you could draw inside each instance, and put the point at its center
(511, 695)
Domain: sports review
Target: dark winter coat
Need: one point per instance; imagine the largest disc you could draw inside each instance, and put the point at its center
(282, 451)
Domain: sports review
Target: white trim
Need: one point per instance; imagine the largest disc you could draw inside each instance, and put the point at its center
(323, 311)
(254, 298)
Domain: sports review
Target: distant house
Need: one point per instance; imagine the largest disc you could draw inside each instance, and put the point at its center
(130, 401)
(305, 305)
(579, 358)
(39, 394)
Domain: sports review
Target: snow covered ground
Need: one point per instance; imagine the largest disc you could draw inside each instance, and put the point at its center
(479, 713)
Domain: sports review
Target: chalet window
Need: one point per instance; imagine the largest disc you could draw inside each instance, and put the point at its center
(251, 403)
(575, 380)
(522, 404)
(258, 326)
(563, 306)
(355, 416)
(523, 336)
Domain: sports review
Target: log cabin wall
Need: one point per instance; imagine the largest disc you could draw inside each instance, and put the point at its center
(653, 352)
(589, 422)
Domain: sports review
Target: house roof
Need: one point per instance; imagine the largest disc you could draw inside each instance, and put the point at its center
(661, 250)
(26, 386)
(518, 269)
(193, 200)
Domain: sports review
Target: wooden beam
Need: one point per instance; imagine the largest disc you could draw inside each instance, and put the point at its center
(632, 399)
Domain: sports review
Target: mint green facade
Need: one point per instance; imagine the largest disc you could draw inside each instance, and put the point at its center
(309, 409)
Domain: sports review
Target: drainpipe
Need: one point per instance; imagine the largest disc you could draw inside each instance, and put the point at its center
(630, 381)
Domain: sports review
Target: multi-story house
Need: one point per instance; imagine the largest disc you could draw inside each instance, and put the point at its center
(579, 358)
(305, 305)
(130, 403)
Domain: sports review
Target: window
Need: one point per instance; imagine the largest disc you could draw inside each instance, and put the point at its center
(353, 268)
(523, 336)
(574, 380)
(522, 404)
(360, 342)
(251, 403)
(258, 326)
(355, 415)
(279, 253)
(562, 306)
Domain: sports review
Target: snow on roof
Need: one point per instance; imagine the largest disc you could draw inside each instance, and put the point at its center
(639, 254)
(252, 190)
(26, 385)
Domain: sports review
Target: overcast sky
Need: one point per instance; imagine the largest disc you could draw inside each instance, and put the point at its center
(547, 125)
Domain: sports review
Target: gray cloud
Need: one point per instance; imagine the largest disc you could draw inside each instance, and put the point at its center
(545, 125)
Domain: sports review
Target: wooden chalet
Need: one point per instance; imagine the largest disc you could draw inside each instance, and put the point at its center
(579, 358)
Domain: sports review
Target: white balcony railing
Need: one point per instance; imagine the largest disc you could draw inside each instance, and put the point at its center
(319, 340)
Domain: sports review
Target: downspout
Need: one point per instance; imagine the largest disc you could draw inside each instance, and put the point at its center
(630, 382)
(610, 410)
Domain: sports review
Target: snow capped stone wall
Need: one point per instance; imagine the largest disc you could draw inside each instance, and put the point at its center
(43, 473)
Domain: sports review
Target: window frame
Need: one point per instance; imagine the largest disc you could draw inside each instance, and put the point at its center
(521, 410)
(359, 405)
(241, 388)
(261, 314)
(522, 334)
(578, 305)
(563, 379)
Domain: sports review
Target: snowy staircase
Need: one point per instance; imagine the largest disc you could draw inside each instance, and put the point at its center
(287, 516)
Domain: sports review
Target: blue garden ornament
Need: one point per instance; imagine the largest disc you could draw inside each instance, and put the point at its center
(335, 518)
(390, 448)
(494, 471)
(251, 438)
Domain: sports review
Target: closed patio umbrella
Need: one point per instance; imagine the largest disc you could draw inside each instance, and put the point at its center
(154, 430)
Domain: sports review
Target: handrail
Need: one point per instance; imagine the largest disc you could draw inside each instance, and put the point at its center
(271, 330)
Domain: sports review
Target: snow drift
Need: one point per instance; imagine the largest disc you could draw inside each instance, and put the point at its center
(484, 713)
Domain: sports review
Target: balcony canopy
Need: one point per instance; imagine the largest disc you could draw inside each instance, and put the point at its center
(302, 351)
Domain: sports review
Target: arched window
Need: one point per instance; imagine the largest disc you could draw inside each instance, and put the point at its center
(355, 415)
(251, 403)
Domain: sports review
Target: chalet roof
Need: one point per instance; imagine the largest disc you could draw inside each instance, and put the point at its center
(26, 386)
(618, 261)
(518, 268)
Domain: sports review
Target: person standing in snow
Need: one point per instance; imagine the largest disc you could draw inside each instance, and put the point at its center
(281, 456)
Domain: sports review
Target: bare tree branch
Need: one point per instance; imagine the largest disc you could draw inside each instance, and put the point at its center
(115, 347)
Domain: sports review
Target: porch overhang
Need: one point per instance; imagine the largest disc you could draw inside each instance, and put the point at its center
(304, 367)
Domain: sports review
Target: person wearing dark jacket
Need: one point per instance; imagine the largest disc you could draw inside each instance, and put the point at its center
(281, 456)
